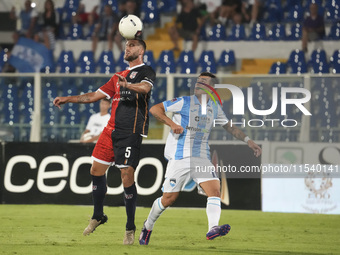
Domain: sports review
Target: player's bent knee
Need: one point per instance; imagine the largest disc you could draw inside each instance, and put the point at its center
(169, 199)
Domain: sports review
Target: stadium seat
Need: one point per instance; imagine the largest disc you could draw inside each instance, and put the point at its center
(184, 86)
(289, 3)
(295, 32)
(272, 11)
(334, 33)
(75, 33)
(335, 68)
(149, 59)
(278, 68)
(66, 62)
(106, 62)
(11, 102)
(335, 58)
(207, 61)
(186, 62)
(166, 6)
(296, 56)
(149, 12)
(113, 3)
(166, 62)
(297, 62)
(319, 67)
(217, 33)
(258, 32)
(3, 58)
(50, 68)
(299, 68)
(295, 14)
(86, 62)
(227, 58)
(50, 112)
(69, 10)
(318, 55)
(238, 33)
(26, 104)
(332, 11)
(277, 32)
(158, 92)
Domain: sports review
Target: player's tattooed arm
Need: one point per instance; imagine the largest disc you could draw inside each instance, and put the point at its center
(83, 98)
(237, 133)
(80, 99)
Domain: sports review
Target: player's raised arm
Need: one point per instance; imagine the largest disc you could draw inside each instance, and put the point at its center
(238, 134)
(142, 87)
(158, 111)
(79, 99)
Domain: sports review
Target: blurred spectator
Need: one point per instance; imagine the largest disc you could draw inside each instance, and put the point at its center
(96, 123)
(129, 7)
(107, 29)
(88, 8)
(224, 14)
(188, 25)
(48, 26)
(238, 18)
(28, 18)
(251, 10)
(313, 27)
(211, 5)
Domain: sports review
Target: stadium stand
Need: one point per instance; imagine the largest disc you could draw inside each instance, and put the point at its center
(106, 63)
(186, 62)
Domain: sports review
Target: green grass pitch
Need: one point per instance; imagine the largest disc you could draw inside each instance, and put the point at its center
(57, 229)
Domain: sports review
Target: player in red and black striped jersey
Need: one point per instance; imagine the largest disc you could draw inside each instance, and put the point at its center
(121, 139)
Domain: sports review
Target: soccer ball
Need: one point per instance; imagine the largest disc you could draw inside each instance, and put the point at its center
(130, 27)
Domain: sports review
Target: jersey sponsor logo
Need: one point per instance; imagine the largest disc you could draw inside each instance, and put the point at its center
(197, 129)
(202, 118)
(172, 182)
(173, 100)
(133, 75)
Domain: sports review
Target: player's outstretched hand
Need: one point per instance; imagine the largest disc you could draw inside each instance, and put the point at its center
(257, 150)
(59, 101)
(177, 129)
(121, 81)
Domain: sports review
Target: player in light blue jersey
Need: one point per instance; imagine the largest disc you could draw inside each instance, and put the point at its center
(187, 147)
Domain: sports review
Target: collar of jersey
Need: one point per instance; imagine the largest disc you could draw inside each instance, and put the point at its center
(198, 102)
(131, 68)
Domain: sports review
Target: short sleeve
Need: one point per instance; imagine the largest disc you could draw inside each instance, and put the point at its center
(149, 76)
(174, 105)
(108, 89)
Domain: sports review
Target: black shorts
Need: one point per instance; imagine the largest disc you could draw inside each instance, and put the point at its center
(126, 149)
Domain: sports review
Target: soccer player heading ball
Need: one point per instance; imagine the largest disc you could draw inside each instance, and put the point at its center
(187, 147)
(120, 141)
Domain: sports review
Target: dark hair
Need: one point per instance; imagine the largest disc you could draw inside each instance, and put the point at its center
(141, 42)
(213, 77)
